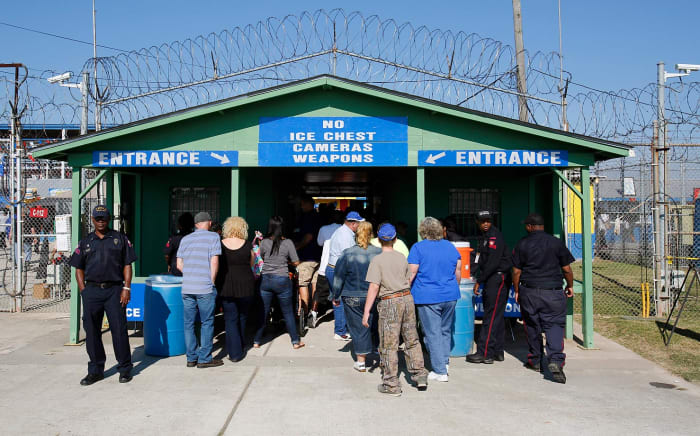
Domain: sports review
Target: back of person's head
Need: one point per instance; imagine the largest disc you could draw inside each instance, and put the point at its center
(235, 227)
(275, 231)
(185, 223)
(430, 228)
(338, 216)
(450, 223)
(364, 234)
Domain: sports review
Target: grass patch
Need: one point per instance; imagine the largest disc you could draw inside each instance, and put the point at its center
(681, 357)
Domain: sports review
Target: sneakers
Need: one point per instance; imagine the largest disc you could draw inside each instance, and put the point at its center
(533, 366)
(386, 391)
(447, 367)
(313, 319)
(421, 382)
(212, 364)
(557, 373)
(479, 358)
(346, 337)
(359, 367)
(437, 377)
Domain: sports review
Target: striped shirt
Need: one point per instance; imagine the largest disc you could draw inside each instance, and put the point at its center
(196, 251)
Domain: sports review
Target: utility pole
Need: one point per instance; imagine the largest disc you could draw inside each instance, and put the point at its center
(658, 284)
(84, 104)
(16, 195)
(520, 60)
(98, 115)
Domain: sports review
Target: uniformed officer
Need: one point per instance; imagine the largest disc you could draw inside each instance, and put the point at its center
(185, 226)
(102, 264)
(540, 264)
(493, 264)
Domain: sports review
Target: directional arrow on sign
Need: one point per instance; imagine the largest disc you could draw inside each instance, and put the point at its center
(222, 159)
(434, 157)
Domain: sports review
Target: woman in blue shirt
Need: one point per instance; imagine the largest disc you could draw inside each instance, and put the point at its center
(435, 274)
(350, 284)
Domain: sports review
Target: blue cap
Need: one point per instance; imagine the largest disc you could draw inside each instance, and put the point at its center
(353, 216)
(386, 232)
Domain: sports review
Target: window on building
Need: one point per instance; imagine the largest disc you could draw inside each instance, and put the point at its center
(465, 203)
(193, 200)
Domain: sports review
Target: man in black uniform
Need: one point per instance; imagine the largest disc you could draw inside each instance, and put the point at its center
(493, 259)
(540, 263)
(185, 226)
(102, 264)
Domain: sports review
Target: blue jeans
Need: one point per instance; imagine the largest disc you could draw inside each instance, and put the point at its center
(280, 287)
(437, 320)
(338, 312)
(361, 335)
(235, 317)
(205, 303)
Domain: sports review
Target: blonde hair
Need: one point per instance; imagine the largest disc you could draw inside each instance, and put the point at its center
(235, 227)
(364, 234)
(430, 228)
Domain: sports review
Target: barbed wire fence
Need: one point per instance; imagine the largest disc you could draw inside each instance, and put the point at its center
(458, 68)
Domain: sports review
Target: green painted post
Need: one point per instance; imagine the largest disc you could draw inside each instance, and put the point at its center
(74, 238)
(138, 242)
(235, 182)
(587, 247)
(420, 194)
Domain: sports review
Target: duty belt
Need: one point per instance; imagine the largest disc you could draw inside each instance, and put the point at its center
(396, 294)
(103, 285)
(541, 288)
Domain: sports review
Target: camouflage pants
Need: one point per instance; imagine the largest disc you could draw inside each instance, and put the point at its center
(397, 316)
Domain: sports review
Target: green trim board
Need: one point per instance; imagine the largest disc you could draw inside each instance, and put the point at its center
(216, 111)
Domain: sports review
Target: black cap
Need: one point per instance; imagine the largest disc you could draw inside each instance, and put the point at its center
(534, 219)
(100, 211)
(484, 215)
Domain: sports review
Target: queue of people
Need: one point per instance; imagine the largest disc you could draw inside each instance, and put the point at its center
(375, 291)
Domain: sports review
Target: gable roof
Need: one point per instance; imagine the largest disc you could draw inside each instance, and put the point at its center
(603, 149)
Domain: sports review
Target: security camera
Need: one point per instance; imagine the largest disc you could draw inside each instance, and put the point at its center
(687, 68)
(60, 78)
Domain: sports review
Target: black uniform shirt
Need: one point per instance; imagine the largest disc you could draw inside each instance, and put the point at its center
(103, 260)
(493, 255)
(171, 250)
(541, 256)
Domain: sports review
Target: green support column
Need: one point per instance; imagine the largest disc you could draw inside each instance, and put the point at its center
(74, 238)
(420, 194)
(138, 241)
(587, 264)
(235, 182)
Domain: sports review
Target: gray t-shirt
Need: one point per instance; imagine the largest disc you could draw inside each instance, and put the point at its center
(276, 264)
(390, 271)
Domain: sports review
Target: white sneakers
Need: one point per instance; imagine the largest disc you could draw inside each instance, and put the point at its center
(346, 337)
(437, 377)
(360, 367)
(313, 315)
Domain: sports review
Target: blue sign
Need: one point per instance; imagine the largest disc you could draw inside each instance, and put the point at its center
(512, 306)
(333, 141)
(134, 310)
(175, 158)
(493, 158)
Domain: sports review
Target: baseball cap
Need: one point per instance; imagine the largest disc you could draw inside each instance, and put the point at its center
(202, 217)
(534, 219)
(353, 216)
(386, 232)
(484, 215)
(100, 211)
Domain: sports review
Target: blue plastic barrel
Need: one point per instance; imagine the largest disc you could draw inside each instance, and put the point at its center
(463, 330)
(163, 323)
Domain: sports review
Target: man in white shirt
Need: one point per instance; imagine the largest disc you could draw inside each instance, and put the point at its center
(343, 237)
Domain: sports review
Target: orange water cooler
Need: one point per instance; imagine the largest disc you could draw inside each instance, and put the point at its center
(465, 251)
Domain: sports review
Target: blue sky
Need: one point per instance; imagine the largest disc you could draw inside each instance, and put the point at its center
(609, 44)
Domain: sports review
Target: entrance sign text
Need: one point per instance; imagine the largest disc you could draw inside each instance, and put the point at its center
(179, 158)
(493, 158)
(333, 141)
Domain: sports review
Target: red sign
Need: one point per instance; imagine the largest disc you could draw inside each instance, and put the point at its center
(39, 212)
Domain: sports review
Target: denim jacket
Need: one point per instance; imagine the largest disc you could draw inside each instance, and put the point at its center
(351, 271)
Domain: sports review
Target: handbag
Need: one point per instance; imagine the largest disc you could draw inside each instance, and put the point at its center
(258, 263)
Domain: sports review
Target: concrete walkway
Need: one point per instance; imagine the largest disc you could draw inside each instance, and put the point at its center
(277, 390)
